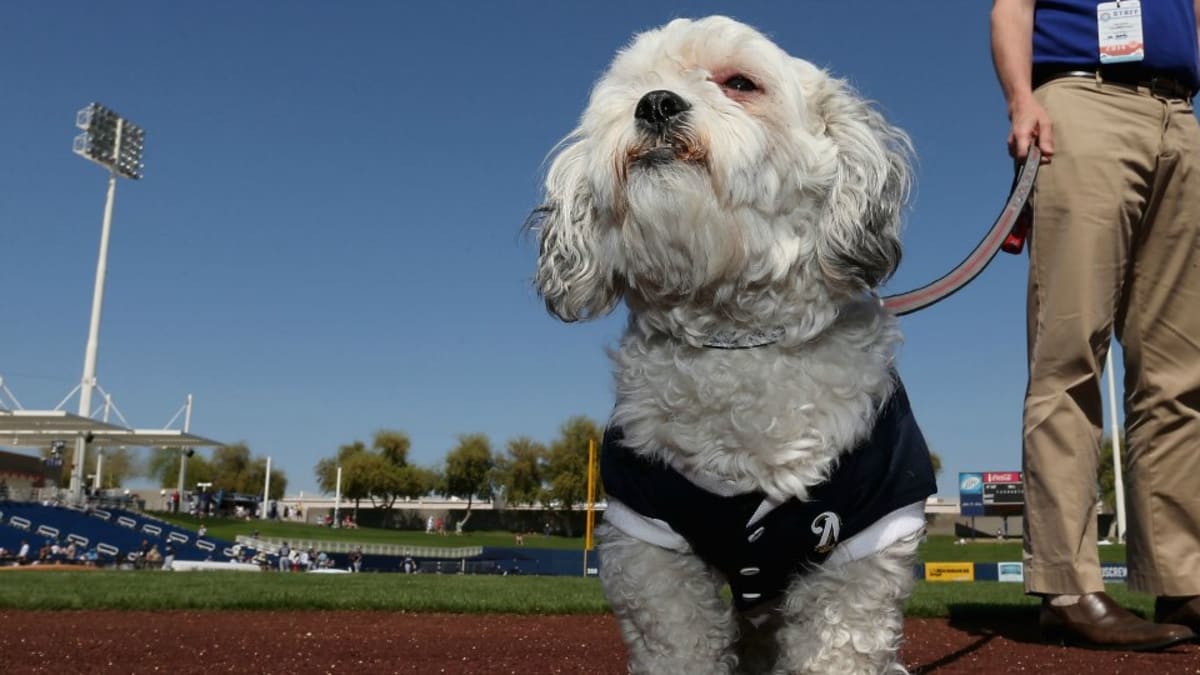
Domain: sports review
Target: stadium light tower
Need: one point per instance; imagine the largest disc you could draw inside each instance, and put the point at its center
(115, 144)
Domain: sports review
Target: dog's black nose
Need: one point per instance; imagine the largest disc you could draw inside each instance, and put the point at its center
(658, 108)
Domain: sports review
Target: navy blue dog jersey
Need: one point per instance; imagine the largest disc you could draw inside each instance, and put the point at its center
(890, 470)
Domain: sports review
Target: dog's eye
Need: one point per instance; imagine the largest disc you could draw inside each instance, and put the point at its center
(740, 83)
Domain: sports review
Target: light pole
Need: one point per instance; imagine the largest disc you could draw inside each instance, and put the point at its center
(337, 498)
(115, 144)
(185, 453)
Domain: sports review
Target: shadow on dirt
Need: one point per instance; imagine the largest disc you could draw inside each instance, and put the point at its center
(985, 623)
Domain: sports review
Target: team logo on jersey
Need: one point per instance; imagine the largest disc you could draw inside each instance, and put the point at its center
(826, 526)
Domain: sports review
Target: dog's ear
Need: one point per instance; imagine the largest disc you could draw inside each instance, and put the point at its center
(859, 247)
(575, 269)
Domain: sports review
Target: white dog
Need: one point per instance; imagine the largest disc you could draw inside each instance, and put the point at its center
(744, 204)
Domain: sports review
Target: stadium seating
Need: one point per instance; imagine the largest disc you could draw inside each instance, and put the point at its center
(112, 532)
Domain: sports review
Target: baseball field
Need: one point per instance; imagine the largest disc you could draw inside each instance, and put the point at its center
(152, 621)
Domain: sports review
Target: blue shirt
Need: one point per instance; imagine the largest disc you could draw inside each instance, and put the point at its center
(890, 470)
(1065, 33)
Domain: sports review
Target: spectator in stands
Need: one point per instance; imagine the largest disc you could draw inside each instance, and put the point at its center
(202, 531)
(356, 559)
(285, 561)
(302, 561)
(409, 566)
(3, 490)
(168, 556)
(70, 553)
(23, 553)
(91, 557)
(429, 525)
(153, 557)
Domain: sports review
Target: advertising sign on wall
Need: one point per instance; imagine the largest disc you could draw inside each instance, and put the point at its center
(957, 571)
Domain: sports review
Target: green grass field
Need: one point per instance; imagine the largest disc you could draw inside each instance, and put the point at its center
(451, 593)
(126, 590)
(942, 548)
(224, 528)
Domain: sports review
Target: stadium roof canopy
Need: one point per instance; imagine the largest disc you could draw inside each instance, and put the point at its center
(52, 421)
(38, 428)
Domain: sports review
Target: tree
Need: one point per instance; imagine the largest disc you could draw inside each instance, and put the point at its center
(567, 466)
(231, 464)
(380, 473)
(356, 478)
(163, 467)
(393, 446)
(119, 465)
(326, 469)
(255, 476)
(936, 460)
(519, 471)
(468, 469)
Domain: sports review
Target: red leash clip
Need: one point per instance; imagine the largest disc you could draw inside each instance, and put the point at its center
(1015, 241)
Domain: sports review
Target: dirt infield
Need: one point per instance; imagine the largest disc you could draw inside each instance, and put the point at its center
(366, 642)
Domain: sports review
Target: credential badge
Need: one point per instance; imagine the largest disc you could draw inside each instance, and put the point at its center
(828, 526)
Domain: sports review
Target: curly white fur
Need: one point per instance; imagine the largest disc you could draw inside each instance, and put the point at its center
(773, 205)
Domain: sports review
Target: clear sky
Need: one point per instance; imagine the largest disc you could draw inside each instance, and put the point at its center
(327, 239)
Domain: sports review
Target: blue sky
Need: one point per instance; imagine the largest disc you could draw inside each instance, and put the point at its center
(327, 240)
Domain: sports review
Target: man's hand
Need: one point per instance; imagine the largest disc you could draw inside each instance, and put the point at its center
(1030, 124)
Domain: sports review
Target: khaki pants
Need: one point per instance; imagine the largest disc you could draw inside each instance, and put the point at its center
(1115, 247)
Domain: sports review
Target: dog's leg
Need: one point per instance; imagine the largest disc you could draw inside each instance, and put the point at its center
(849, 619)
(669, 607)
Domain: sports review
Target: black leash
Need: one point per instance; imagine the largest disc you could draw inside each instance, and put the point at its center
(1007, 233)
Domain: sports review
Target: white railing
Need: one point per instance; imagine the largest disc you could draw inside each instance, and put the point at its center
(272, 544)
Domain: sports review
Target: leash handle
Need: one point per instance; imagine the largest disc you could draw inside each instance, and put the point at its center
(1003, 232)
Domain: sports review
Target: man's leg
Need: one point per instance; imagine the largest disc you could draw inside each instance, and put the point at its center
(1161, 331)
(1078, 255)
(1089, 200)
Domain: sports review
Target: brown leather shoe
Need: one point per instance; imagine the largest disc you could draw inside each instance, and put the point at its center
(1182, 611)
(1097, 622)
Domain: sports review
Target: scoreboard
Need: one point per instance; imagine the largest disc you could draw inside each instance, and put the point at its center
(994, 493)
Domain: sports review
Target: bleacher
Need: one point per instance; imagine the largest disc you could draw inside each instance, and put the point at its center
(116, 534)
